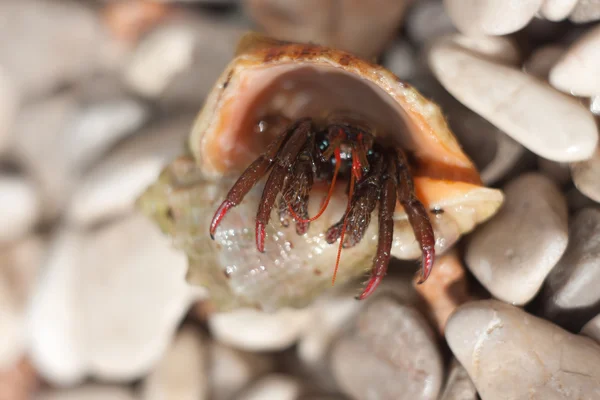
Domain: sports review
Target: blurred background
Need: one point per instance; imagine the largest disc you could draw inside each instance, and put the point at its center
(97, 96)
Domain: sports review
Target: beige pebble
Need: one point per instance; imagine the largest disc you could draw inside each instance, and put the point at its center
(555, 126)
(569, 297)
(557, 10)
(511, 354)
(585, 11)
(578, 71)
(181, 373)
(390, 352)
(445, 289)
(592, 328)
(459, 385)
(109, 302)
(491, 17)
(254, 330)
(230, 370)
(513, 253)
(18, 382)
(9, 104)
(586, 176)
(273, 387)
(20, 207)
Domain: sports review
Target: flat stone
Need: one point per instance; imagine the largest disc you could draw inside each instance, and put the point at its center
(181, 373)
(254, 330)
(459, 385)
(274, 386)
(111, 188)
(569, 297)
(331, 24)
(513, 253)
(230, 370)
(577, 71)
(88, 317)
(585, 176)
(491, 17)
(445, 289)
(389, 353)
(59, 43)
(20, 207)
(87, 392)
(510, 354)
(585, 11)
(549, 123)
(557, 10)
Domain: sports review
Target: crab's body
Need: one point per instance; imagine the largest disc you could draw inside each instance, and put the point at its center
(267, 88)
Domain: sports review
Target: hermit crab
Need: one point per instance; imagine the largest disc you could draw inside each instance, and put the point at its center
(301, 151)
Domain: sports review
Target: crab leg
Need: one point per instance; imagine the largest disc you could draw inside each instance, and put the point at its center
(387, 205)
(284, 163)
(417, 215)
(248, 179)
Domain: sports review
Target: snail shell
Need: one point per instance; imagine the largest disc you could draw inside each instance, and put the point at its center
(270, 81)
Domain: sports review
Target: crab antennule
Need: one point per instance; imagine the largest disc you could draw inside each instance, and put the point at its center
(417, 215)
(283, 165)
(387, 205)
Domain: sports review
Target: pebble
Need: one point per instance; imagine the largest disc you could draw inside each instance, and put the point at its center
(445, 289)
(87, 392)
(491, 17)
(331, 24)
(569, 297)
(511, 354)
(585, 176)
(273, 387)
(253, 330)
(179, 61)
(592, 328)
(130, 20)
(20, 207)
(557, 10)
(111, 187)
(459, 385)
(513, 253)
(555, 126)
(19, 266)
(59, 43)
(108, 303)
(19, 382)
(181, 373)
(230, 370)
(576, 72)
(585, 11)
(390, 353)
(542, 60)
(57, 139)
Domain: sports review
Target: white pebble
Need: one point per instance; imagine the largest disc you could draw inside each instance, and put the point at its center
(273, 387)
(491, 17)
(585, 11)
(557, 10)
(549, 123)
(586, 176)
(87, 392)
(254, 330)
(513, 253)
(578, 71)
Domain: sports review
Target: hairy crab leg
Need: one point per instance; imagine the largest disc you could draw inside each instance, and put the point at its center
(387, 205)
(417, 215)
(284, 163)
(249, 177)
(339, 253)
